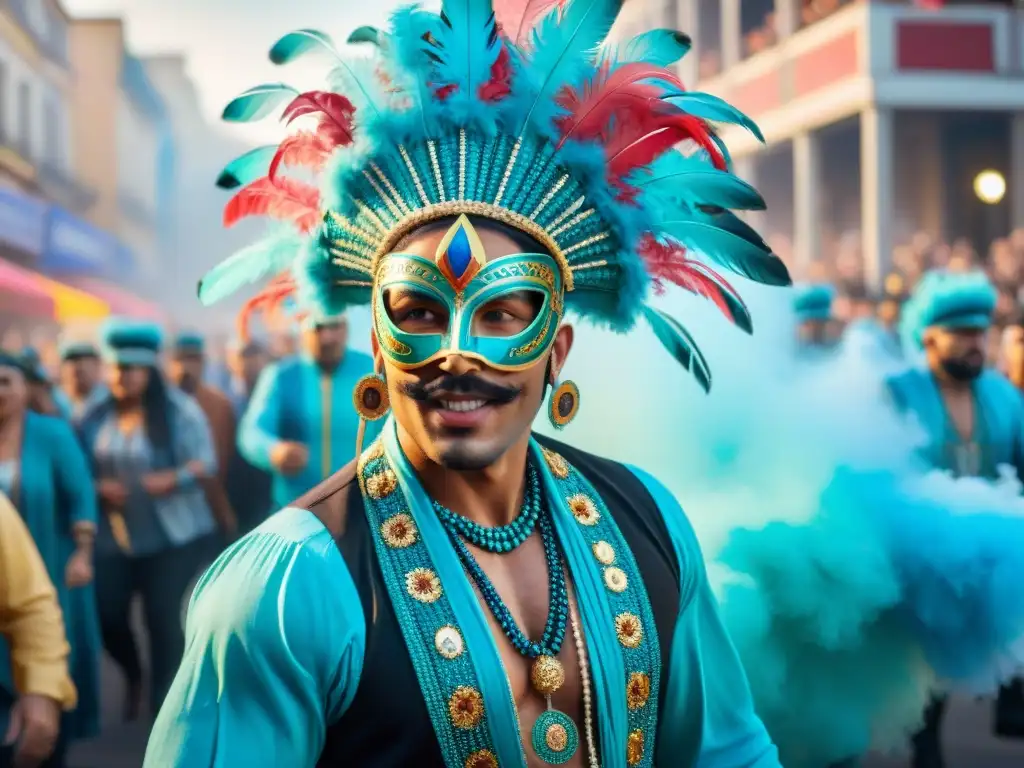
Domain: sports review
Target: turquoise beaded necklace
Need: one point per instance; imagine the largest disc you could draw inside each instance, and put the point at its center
(554, 737)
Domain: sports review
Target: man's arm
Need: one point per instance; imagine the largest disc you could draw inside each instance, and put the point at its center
(706, 675)
(272, 657)
(259, 429)
(30, 616)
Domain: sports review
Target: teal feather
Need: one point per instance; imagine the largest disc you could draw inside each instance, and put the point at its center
(677, 340)
(708, 107)
(256, 103)
(705, 186)
(730, 250)
(296, 44)
(563, 45)
(258, 261)
(247, 168)
(660, 47)
(370, 35)
(466, 46)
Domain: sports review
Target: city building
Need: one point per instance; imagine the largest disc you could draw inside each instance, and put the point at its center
(124, 150)
(881, 119)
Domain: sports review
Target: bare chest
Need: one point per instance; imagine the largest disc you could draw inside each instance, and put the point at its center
(960, 407)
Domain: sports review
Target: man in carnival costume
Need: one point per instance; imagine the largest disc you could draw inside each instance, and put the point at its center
(972, 414)
(465, 594)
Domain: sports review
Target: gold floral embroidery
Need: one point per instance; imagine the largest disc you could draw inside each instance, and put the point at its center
(629, 630)
(638, 690)
(615, 579)
(635, 747)
(466, 707)
(556, 737)
(584, 509)
(381, 484)
(423, 585)
(398, 531)
(483, 758)
(559, 467)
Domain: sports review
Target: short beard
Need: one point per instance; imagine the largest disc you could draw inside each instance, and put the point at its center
(961, 370)
(463, 458)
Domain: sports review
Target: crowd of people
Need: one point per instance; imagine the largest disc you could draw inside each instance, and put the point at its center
(121, 466)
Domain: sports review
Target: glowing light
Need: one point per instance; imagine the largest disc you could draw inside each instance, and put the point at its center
(990, 186)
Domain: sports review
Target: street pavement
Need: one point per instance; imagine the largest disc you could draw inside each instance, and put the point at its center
(967, 737)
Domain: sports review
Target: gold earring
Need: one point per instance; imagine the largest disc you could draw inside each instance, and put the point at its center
(563, 404)
(370, 397)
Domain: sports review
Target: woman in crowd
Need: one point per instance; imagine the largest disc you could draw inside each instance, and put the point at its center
(45, 474)
(151, 448)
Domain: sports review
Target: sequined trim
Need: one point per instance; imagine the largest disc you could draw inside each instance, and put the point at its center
(399, 531)
(422, 584)
(381, 484)
(635, 747)
(629, 630)
(584, 509)
(466, 707)
(482, 759)
(558, 466)
(638, 690)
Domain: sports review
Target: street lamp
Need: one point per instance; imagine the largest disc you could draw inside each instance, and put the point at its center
(990, 186)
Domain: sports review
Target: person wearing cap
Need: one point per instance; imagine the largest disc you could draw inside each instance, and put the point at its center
(301, 424)
(246, 361)
(812, 305)
(45, 474)
(80, 374)
(249, 487)
(186, 371)
(36, 686)
(972, 414)
(151, 451)
(44, 397)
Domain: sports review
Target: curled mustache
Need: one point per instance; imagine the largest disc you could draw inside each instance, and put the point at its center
(468, 384)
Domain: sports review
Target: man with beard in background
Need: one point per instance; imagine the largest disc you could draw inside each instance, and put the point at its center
(80, 373)
(972, 414)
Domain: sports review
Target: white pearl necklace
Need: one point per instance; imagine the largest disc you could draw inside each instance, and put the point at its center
(581, 655)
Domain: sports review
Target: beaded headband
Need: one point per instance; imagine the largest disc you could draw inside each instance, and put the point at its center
(514, 114)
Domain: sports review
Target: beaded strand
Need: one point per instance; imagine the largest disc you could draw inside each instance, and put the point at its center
(581, 657)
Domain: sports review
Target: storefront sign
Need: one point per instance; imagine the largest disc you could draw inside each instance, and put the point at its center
(22, 222)
(77, 247)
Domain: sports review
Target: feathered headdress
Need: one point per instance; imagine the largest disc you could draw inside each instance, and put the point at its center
(511, 111)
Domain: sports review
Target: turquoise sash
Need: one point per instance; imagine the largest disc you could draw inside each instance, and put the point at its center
(456, 658)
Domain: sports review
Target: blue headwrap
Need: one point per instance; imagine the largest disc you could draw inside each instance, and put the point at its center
(189, 342)
(72, 349)
(131, 342)
(32, 364)
(10, 359)
(813, 302)
(947, 300)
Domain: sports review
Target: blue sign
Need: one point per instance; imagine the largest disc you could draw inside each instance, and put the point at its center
(77, 247)
(22, 222)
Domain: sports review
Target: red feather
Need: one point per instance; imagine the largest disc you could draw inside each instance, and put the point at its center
(500, 84)
(608, 96)
(280, 198)
(669, 262)
(334, 110)
(305, 149)
(268, 300)
(517, 18)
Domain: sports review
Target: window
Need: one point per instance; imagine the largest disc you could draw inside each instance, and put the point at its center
(51, 133)
(24, 112)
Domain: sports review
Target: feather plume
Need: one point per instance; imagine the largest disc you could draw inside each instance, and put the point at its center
(334, 113)
(370, 35)
(250, 265)
(657, 47)
(500, 83)
(256, 103)
(704, 186)
(677, 340)
(668, 261)
(563, 44)
(729, 250)
(359, 77)
(517, 18)
(296, 44)
(305, 149)
(280, 198)
(246, 168)
(636, 142)
(708, 107)
(464, 48)
(609, 93)
(268, 300)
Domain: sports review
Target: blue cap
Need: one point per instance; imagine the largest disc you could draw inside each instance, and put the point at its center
(944, 299)
(70, 350)
(189, 342)
(813, 302)
(131, 342)
(9, 359)
(32, 364)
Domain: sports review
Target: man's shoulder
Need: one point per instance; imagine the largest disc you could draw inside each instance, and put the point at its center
(329, 501)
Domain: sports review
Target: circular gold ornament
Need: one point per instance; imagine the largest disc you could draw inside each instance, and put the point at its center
(584, 509)
(370, 397)
(556, 737)
(398, 531)
(374, 452)
(381, 484)
(604, 553)
(558, 466)
(629, 630)
(448, 642)
(547, 675)
(615, 579)
(638, 690)
(483, 758)
(466, 707)
(564, 404)
(422, 584)
(635, 747)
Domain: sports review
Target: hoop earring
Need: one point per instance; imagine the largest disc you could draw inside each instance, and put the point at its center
(563, 404)
(370, 397)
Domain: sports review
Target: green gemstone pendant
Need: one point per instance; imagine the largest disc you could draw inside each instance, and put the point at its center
(554, 737)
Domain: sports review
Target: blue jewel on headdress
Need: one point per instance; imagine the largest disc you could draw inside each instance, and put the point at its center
(460, 255)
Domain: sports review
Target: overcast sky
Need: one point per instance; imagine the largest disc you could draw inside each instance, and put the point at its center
(226, 41)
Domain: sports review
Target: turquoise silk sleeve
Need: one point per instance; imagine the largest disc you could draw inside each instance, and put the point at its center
(708, 719)
(259, 428)
(274, 650)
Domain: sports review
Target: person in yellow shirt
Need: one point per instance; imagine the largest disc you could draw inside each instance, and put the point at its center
(35, 686)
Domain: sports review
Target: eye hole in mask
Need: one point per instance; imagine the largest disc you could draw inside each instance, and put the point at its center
(416, 312)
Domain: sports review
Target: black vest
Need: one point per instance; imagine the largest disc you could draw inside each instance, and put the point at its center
(387, 724)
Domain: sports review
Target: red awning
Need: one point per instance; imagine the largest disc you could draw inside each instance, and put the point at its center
(121, 301)
(22, 294)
